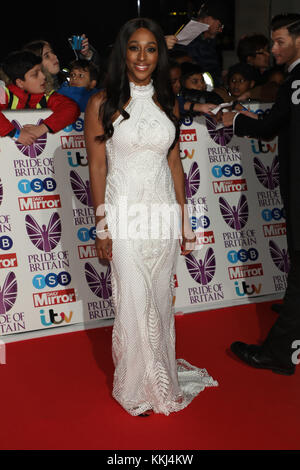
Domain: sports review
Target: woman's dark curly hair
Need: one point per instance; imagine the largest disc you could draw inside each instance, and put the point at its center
(117, 86)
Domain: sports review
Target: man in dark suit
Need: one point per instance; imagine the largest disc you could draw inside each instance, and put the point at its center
(277, 352)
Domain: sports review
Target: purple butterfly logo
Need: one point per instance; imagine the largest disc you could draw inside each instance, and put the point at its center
(1, 191)
(100, 285)
(280, 257)
(235, 216)
(35, 149)
(267, 176)
(81, 189)
(44, 238)
(8, 293)
(192, 180)
(220, 135)
(202, 271)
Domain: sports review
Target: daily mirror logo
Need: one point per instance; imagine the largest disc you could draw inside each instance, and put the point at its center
(44, 299)
(37, 203)
(72, 141)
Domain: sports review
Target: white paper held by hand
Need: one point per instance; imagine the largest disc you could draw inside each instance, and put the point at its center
(190, 31)
(222, 106)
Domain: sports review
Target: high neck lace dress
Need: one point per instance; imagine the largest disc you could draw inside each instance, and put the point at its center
(143, 219)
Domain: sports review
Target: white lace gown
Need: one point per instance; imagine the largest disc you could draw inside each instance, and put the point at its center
(145, 247)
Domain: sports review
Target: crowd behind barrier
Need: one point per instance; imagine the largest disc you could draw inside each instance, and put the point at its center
(50, 275)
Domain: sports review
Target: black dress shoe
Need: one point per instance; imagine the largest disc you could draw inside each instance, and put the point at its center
(277, 308)
(254, 356)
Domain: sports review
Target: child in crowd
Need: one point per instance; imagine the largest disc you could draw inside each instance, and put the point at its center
(192, 77)
(193, 98)
(83, 79)
(50, 62)
(253, 49)
(240, 79)
(27, 90)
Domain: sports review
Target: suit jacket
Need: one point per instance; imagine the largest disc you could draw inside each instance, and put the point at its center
(283, 120)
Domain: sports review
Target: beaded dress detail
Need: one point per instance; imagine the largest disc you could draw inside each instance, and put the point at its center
(144, 220)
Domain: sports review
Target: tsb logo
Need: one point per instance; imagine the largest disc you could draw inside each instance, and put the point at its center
(227, 170)
(274, 214)
(5, 243)
(201, 222)
(51, 280)
(37, 185)
(242, 256)
(76, 126)
(186, 121)
(85, 234)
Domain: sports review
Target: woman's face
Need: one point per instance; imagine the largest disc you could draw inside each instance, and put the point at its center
(141, 56)
(49, 60)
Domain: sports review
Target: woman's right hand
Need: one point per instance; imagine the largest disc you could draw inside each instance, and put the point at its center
(103, 244)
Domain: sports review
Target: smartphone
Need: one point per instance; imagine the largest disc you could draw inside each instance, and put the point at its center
(76, 42)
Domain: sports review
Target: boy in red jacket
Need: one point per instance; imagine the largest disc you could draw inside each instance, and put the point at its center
(27, 91)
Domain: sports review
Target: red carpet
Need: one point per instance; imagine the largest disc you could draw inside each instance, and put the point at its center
(56, 392)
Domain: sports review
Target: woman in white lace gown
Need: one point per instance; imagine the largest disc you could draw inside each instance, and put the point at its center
(137, 185)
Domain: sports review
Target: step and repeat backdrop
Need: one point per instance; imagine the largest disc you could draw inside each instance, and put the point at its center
(50, 275)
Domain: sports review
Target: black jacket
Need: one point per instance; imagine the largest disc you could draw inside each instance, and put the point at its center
(205, 53)
(283, 120)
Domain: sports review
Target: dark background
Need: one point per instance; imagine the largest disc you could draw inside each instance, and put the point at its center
(100, 21)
